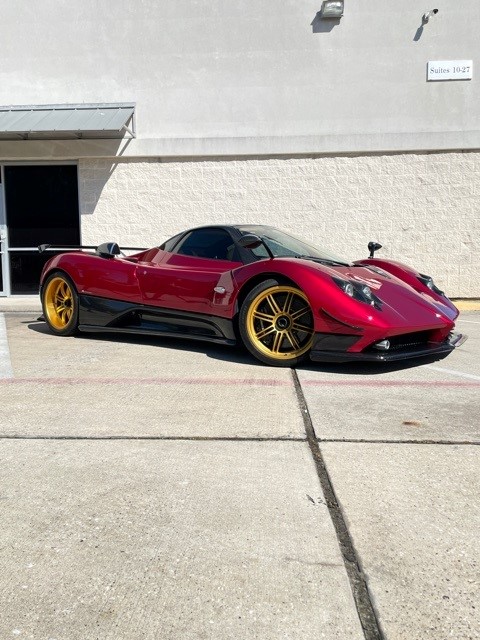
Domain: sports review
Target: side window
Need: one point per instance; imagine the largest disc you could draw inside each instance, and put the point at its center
(214, 244)
(169, 244)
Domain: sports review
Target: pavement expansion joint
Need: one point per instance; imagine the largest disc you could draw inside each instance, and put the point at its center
(159, 438)
(358, 584)
(473, 443)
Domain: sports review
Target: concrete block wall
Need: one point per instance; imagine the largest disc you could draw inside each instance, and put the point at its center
(423, 208)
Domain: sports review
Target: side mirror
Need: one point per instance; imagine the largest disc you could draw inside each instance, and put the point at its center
(372, 247)
(108, 250)
(250, 241)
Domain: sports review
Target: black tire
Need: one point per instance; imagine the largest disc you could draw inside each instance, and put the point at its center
(276, 324)
(60, 304)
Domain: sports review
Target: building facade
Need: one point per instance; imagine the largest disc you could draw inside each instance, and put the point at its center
(337, 129)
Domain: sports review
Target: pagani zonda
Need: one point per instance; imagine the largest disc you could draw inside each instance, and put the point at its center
(284, 299)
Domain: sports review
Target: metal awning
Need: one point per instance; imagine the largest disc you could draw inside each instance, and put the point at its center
(67, 121)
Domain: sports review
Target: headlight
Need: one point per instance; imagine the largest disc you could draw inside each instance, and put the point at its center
(367, 293)
(348, 288)
(358, 291)
(428, 282)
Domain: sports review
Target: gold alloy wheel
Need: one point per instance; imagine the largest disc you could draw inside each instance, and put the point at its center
(59, 303)
(279, 323)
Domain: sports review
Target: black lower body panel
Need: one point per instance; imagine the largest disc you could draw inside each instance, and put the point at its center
(106, 315)
(332, 348)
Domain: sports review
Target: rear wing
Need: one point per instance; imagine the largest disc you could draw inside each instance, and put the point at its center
(107, 249)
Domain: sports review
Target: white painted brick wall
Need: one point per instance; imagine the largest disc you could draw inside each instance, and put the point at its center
(421, 207)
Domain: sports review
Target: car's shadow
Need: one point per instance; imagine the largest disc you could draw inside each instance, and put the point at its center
(239, 353)
(370, 368)
(217, 352)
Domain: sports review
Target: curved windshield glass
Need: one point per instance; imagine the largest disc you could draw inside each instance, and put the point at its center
(283, 245)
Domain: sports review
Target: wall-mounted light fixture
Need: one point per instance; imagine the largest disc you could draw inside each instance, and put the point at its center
(331, 9)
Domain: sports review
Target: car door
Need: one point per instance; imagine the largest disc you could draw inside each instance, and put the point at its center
(185, 279)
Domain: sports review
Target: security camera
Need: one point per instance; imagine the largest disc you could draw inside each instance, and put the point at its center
(426, 16)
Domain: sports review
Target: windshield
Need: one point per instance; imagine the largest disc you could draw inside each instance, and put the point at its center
(283, 245)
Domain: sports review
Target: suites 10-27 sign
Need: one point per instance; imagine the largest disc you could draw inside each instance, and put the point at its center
(450, 70)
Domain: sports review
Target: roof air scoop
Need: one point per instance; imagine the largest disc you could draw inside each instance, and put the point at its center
(372, 247)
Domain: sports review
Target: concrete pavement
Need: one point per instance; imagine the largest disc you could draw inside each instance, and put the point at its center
(120, 539)
(20, 304)
(164, 489)
(413, 514)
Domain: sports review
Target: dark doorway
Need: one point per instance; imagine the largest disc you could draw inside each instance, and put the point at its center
(41, 207)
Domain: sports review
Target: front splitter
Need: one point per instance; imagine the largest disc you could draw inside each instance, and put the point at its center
(431, 350)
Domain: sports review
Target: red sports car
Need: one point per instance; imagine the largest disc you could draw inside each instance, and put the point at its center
(285, 300)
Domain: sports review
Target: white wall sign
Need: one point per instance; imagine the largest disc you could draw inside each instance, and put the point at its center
(449, 70)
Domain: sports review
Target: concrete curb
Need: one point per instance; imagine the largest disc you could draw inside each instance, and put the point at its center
(467, 305)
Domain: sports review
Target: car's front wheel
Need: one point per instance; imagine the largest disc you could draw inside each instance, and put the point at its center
(276, 324)
(60, 304)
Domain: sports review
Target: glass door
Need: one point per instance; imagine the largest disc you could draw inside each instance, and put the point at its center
(4, 262)
(40, 207)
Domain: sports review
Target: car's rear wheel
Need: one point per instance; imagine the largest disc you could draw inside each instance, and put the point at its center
(276, 324)
(60, 304)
